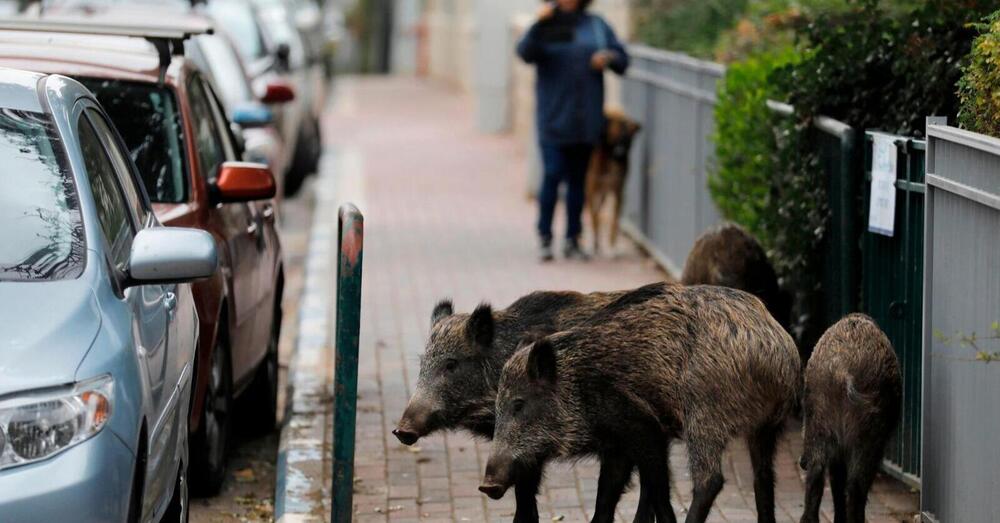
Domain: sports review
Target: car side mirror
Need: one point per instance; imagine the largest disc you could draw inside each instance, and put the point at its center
(244, 182)
(251, 115)
(165, 255)
(277, 92)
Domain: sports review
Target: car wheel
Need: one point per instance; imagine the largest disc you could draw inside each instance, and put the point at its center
(305, 161)
(210, 444)
(177, 510)
(261, 398)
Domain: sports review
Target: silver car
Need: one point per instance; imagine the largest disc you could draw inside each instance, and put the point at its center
(97, 323)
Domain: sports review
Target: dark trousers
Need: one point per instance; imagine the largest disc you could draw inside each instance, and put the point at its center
(563, 163)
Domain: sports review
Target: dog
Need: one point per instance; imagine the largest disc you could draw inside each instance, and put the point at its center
(607, 171)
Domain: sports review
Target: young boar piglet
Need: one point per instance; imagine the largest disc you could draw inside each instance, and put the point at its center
(708, 364)
(729, 256)
(460, 368)
(850, 409)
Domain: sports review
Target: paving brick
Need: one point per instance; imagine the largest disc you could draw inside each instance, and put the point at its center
(446, 216)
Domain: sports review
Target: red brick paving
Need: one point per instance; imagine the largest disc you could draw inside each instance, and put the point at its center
(446, 216)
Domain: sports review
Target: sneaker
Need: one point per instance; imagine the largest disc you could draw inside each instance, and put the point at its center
(545, 251)
(572, 251)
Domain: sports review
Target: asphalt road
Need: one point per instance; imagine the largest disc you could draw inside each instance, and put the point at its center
(248, 493)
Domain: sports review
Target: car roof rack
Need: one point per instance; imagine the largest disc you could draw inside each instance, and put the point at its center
(168, 39)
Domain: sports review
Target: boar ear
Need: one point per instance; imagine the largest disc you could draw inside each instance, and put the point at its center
(542, 361)
(442, 309)
(480, 326)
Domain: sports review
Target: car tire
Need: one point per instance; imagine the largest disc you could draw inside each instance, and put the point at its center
(178, 511)
(210, 444)
(138, 481)
(261, 398)
(305, 161)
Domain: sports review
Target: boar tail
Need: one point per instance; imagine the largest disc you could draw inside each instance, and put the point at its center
(855, 396)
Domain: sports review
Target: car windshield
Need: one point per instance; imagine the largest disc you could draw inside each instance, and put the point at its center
(227, 72)
(147, 118)
(42, 234)
(240, 24)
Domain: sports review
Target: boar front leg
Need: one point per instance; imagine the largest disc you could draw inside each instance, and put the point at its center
(525, 494)
(616, 471)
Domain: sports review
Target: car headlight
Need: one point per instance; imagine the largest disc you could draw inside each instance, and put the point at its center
(37, 425)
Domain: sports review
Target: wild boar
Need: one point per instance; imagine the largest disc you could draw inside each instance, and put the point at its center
(461, 365)
(850, 407)
(705, 363)
(729, 256)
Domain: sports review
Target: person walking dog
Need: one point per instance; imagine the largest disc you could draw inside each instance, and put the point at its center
(570, 49)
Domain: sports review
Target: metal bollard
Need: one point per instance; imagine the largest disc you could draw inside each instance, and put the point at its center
(350, 247)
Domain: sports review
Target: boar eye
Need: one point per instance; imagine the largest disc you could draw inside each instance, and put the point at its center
(517, 405)
(450, 365)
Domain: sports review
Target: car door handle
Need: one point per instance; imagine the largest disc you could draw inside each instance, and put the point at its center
(170, 302)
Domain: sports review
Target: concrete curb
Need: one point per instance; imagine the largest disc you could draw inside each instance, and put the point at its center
(301, 489)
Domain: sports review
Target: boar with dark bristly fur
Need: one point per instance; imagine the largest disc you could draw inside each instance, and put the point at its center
(461, 365)
(729, 256)
(708, 364)
(850, 409)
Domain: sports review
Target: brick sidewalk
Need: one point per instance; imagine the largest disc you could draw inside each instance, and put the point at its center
(446, 216)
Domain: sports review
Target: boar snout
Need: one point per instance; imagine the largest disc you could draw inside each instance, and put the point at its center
(415, 422)
(498, 477)
(493, 491)
(405, 437)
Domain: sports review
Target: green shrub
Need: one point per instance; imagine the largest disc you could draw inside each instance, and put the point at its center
(979, 88)
(740, 182)
(730, 30)
(868, 68)
(871, 69)
(687, 26)
(862, 64)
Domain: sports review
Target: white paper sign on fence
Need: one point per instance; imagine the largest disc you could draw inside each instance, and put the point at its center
(882, 210)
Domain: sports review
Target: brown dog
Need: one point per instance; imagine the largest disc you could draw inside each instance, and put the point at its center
(607, 172)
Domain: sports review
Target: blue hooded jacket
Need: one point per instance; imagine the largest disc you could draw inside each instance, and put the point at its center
(569, 93)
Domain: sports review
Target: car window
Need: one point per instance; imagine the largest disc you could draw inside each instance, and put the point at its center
(222, 123)
(42, 236)
(112, 211)
(226, 69)
(147, 119)
(240, 23)
(207, 135)
(121, 163)
(281, 31)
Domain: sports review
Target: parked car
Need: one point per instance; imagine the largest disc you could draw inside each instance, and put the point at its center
(181, 141)
(98, 326)
(219, 60)
(272, 46)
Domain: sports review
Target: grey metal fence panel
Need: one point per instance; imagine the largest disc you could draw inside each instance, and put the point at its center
(667, 201)
(961, 414)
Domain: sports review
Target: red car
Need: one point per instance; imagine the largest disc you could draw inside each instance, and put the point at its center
(182, 143)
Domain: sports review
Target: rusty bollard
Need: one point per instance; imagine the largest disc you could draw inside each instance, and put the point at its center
(350, 247)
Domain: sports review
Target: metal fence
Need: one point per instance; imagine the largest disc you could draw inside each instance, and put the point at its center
(892, 271)
(667, 204)
(961, 388)
(839, 161)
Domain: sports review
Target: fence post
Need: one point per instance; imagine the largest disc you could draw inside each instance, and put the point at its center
(350, 247)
